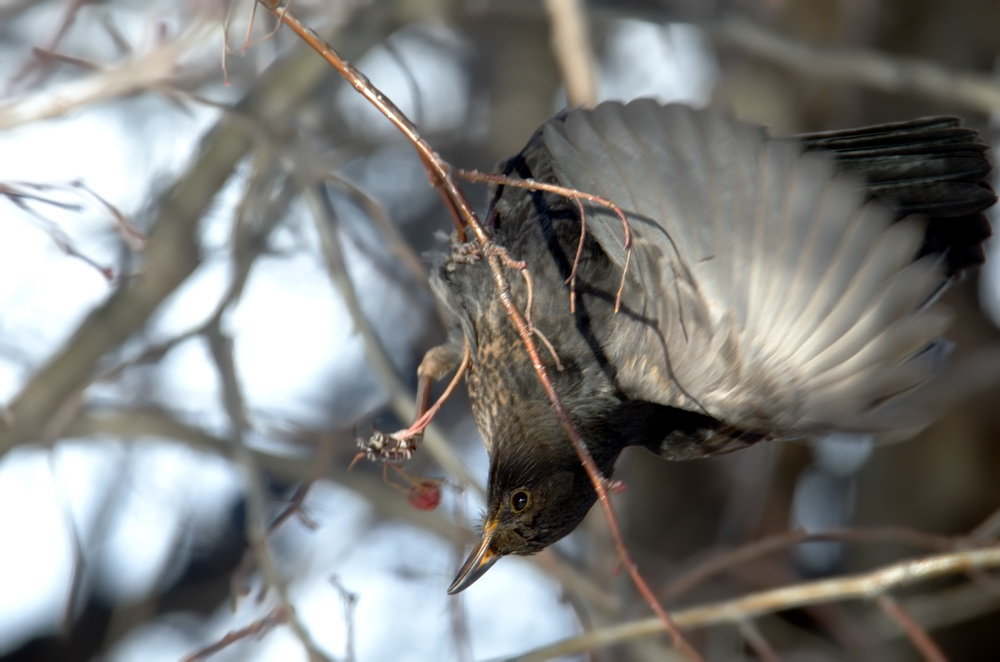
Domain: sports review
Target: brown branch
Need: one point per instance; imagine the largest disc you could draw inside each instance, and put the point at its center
(876, 70)
(946, 607)
(921, 640)
(464, 218)
(275, 617)
(387, 230)
(233, 403)
(133, 237)
(573, 50)
(860, 586)
(152, 70)
(33, 64)
(758, 643)
(350, 603)
(722, 561)
(139, 425)
(171, 256)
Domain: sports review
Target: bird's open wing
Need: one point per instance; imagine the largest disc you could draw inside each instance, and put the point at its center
(931, 166)
(763, 289)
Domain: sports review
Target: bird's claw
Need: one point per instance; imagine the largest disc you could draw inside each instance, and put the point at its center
(394, 447)
(468, 252)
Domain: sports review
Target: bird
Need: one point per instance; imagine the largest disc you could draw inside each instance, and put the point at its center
(758, 288)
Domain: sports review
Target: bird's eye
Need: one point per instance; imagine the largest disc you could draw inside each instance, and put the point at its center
(519, 501)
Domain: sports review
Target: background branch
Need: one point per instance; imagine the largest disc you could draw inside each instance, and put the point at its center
(876, 70)
(172, 255)
(868, 585)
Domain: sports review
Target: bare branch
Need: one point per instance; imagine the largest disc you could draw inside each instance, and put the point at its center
(350, 603)
(916, 634)
(875, 70)
(150, 70)
(721, 562)
(172, 255)
(257, 533)
(758, 643)
(275, 617)
(573, 50)
(865, 585)
(143, 424)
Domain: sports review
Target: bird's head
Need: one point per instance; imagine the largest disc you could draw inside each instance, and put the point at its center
(534, 498)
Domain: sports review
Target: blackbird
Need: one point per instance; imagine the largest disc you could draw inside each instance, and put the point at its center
(775, 288)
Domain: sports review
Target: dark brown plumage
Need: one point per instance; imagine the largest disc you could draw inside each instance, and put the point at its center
(775, 290)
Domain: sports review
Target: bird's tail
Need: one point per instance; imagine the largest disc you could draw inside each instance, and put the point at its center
(929, 167)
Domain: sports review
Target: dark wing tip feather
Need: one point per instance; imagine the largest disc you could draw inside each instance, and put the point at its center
(931, 167)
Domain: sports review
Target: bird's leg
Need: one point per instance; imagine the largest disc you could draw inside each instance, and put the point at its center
(399, 446)
(437, 362)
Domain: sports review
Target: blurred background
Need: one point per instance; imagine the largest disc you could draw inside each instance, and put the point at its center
(213, 281)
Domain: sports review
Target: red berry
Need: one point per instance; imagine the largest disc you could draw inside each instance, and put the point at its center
(425, 495)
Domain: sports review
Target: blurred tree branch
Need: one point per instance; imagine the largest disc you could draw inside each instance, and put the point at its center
(870, 68)
(869, 585)
(172, 255)
(573, 50)
(154, 70)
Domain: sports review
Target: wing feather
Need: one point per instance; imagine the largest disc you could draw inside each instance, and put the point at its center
(766, 290)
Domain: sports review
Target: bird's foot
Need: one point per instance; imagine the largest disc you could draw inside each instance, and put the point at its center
(467, 252)
(394, 447)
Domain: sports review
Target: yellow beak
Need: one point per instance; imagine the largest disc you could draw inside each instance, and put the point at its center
(479, 561)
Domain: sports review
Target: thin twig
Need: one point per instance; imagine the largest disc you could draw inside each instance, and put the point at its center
(876, 70)
(147, 71)
(220, 346)
(988, 528)
(296, 504)
(758, 643)
(728, 559)
(32, 65)
(571, 280)
(529, 290)
(387, 230)
(425, 419)
(865, 585)
(916, 634)
(273, 618)
(167, 262)
(945, 607)
(350, 604)
(131, 235)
